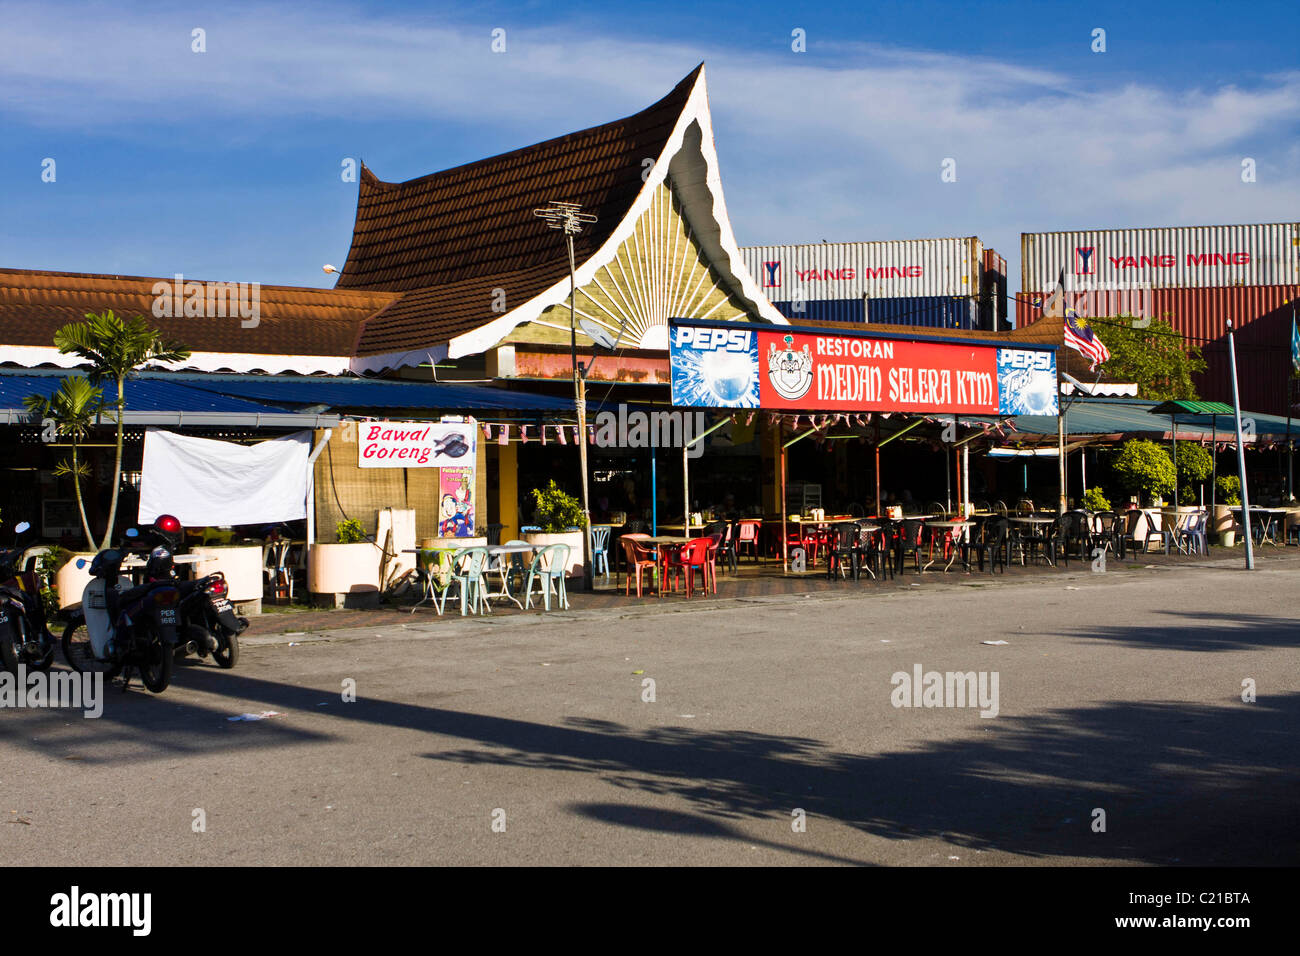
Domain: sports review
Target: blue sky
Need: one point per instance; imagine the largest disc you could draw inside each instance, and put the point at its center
(225, 164)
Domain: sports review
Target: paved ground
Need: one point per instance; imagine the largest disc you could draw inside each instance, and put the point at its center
(1119, 692)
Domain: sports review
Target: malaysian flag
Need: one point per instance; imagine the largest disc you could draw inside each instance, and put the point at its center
(1078, 334)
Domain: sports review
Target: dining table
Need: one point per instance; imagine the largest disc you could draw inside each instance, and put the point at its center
(1033, 521)
(1265, 519)
(956, 528)
(499, 561)
(664, 544)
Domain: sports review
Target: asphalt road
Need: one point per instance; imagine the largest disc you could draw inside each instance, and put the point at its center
(1116, 692)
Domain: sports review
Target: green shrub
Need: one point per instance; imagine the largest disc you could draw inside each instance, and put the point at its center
(1095, 500)
(351, 532)
(557, 512)
(1195, 463)
(1145, 467)
(1228, 490)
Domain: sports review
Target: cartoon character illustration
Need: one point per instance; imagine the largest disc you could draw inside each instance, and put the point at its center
(454, 518)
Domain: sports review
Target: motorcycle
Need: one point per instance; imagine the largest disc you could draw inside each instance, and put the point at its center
(25, 637)
(119, 628)
(207, 620)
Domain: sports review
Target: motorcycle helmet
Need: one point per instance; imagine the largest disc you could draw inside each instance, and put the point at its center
(107, 564)
(160, 564)
(169, 529)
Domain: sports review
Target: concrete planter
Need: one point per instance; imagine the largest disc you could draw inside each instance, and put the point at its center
(242, 566)
(573, 539)
(1225, 526)
(346, 574)
(72, 580)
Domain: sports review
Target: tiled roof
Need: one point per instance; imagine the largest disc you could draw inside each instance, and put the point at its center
(291, 320)
(449, 240)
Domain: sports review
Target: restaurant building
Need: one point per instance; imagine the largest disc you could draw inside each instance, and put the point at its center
(454, 301)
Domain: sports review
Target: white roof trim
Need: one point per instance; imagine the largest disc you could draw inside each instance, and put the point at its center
(696, 110)
(33, 356)
(368, 364)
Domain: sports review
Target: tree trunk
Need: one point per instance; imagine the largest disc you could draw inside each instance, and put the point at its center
(117, 467)
(81, 504)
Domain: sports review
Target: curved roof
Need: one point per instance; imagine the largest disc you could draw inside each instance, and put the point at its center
(476, 220)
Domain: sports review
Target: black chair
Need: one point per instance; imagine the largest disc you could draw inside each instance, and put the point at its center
(994, 540)
(883, 546)
(841, 551)
(908, 541)
(1110, 533)
(494, 533)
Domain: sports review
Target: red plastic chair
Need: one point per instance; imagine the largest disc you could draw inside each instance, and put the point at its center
(638, 558)
(685, 559)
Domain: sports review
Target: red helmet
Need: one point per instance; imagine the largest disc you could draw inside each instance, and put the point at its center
(168, 524)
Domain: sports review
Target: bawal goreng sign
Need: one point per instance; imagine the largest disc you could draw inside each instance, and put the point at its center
(788, 369)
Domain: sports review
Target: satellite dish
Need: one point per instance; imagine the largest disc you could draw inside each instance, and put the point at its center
(597, 334)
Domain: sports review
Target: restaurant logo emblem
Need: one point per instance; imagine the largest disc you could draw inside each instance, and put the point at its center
(1083, 260)
(789, 371)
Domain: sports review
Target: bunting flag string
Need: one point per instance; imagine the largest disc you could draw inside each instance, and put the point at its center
(559, 433)
(523, 434)
(503, 437)
(487, 431)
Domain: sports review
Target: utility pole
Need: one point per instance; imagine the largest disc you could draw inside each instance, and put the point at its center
(568, 216)
(1241, 454)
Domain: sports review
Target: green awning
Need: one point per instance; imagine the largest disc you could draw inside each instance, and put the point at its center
(1185, 406)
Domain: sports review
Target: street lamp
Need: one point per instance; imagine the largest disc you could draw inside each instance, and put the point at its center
(569, 217)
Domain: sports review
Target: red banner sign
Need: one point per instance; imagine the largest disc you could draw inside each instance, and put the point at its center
(798, 370)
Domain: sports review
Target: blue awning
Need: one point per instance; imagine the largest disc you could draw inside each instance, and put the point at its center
(155, 401)
(368, 395)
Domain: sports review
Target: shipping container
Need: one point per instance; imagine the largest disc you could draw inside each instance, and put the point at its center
(885, 281)
(1262, 319)
(994, 293)
(1173, 257)
(880, 270)
(937, 311)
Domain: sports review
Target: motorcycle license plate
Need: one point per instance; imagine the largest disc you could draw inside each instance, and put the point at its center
(222, 605)
(167, 616)
(4, 618)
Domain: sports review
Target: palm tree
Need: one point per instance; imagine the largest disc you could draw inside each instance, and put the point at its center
(73, 407)
(115, 348)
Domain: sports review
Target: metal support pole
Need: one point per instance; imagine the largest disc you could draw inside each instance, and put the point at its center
(580, 400)
(1060, 438)
(686, 492)
(880, 505)
(1241, 454)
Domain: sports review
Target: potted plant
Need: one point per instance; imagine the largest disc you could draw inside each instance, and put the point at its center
(1227, 495)
(348, 571)
(1095, 500)
(560, 517)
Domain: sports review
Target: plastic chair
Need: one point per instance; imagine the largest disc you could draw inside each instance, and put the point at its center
(1192, 537)
(549, 568)
(747, 531)
(600, 549)
(467, 566)
(693, 555)
(639, 558)
(494, 533)
(994, 540)
(433, 570)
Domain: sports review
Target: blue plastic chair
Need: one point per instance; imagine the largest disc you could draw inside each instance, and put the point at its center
(600, 549)
(548, 569)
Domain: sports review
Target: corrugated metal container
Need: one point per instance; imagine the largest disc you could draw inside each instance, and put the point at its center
(904, 268)
(993, 293)
(1262, 319)
(1174, 257)
(934, 311)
